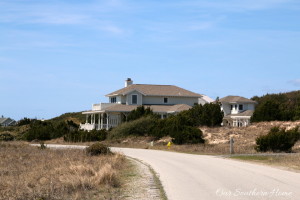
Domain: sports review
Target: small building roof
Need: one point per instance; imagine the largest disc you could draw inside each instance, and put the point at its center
(236, 99)
(155, 90)
(8, 121)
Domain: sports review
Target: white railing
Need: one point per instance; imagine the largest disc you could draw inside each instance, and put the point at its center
(101, 106)
(87, 127)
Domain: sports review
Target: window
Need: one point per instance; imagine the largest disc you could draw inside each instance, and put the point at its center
(235, 107)
(165, 100)
(231, 107)
(134, 99)
(241, 107)
(113, 100)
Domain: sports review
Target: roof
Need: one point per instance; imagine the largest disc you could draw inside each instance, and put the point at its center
(156, 90)
(6, 120)
(207, 99)
(247, 113)
(236, 99)
(154, 108)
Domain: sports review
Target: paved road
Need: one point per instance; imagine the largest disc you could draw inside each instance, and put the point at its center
(188, 177)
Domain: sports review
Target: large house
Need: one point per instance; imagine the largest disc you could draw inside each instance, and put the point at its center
(162, 99)
(237, 110)
(7, 122)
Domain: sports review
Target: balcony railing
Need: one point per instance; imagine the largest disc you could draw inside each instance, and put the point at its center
(101, 106)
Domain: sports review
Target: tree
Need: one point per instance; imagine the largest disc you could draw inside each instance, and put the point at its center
(139, 112)
(267, 111)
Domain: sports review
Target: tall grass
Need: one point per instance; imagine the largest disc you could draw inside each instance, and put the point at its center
(32, 173)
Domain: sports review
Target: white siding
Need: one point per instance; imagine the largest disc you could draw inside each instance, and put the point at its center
(251, 106)
(226, 108)
(149, 100)
(139, 98)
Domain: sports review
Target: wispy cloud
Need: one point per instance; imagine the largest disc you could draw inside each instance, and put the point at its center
(295, 82)
(236, 5)
(94, 15)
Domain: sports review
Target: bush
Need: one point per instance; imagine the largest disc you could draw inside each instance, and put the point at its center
(140, 112)
(85, 136)
(188, 135)
(277, 140)
(97, 149)
(139, 127)
(6, 137)
(46, 130)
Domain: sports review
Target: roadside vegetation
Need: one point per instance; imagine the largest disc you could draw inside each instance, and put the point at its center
(33, 173)
(182, 127)
(277, 107)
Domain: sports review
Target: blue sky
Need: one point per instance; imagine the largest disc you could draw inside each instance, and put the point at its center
(63, 56)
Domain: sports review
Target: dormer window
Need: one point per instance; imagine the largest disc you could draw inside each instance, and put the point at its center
(165, 100)
(113, 100)
(134, 99)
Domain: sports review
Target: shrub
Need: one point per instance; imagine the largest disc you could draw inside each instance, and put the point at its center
(140, 112)
(85, 136)
(97, 149)
(277, 140)
(188, 135)
(6, 137)
(25, 121)
(139, 127)
(46, 130)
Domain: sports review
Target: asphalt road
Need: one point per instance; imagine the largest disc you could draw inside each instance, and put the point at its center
(188, 177)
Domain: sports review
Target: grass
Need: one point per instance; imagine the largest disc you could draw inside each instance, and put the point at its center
(31, 173)
(287, 161)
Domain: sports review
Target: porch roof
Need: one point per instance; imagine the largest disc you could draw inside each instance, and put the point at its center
(155, 108)
(247, 113)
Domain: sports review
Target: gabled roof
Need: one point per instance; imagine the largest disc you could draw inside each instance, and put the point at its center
(155, 108)
(235, 99)
(6, 121)
(155, 90)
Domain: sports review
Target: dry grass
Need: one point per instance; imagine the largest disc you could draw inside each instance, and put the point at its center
(31, 173)
(288, 161)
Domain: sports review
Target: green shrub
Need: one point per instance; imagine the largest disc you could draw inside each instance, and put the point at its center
(188, 135)
(47, 130)
(85, 136)
(140, 127)
(277, 140)
(97, 149)
(6, 137)
(140, 112)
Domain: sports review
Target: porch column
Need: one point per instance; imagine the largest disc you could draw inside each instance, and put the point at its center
(86, 119)
(94, 118)
(99, 121)
(107, 121)
(101, 126)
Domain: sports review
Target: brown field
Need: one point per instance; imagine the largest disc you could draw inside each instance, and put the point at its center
(31, 173)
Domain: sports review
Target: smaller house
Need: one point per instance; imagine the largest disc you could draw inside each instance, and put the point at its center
(7, 122)
(237, 110)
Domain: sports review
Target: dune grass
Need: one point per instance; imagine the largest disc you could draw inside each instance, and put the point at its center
(31, 173)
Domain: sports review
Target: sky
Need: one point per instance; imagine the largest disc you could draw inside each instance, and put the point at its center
(59, 56)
